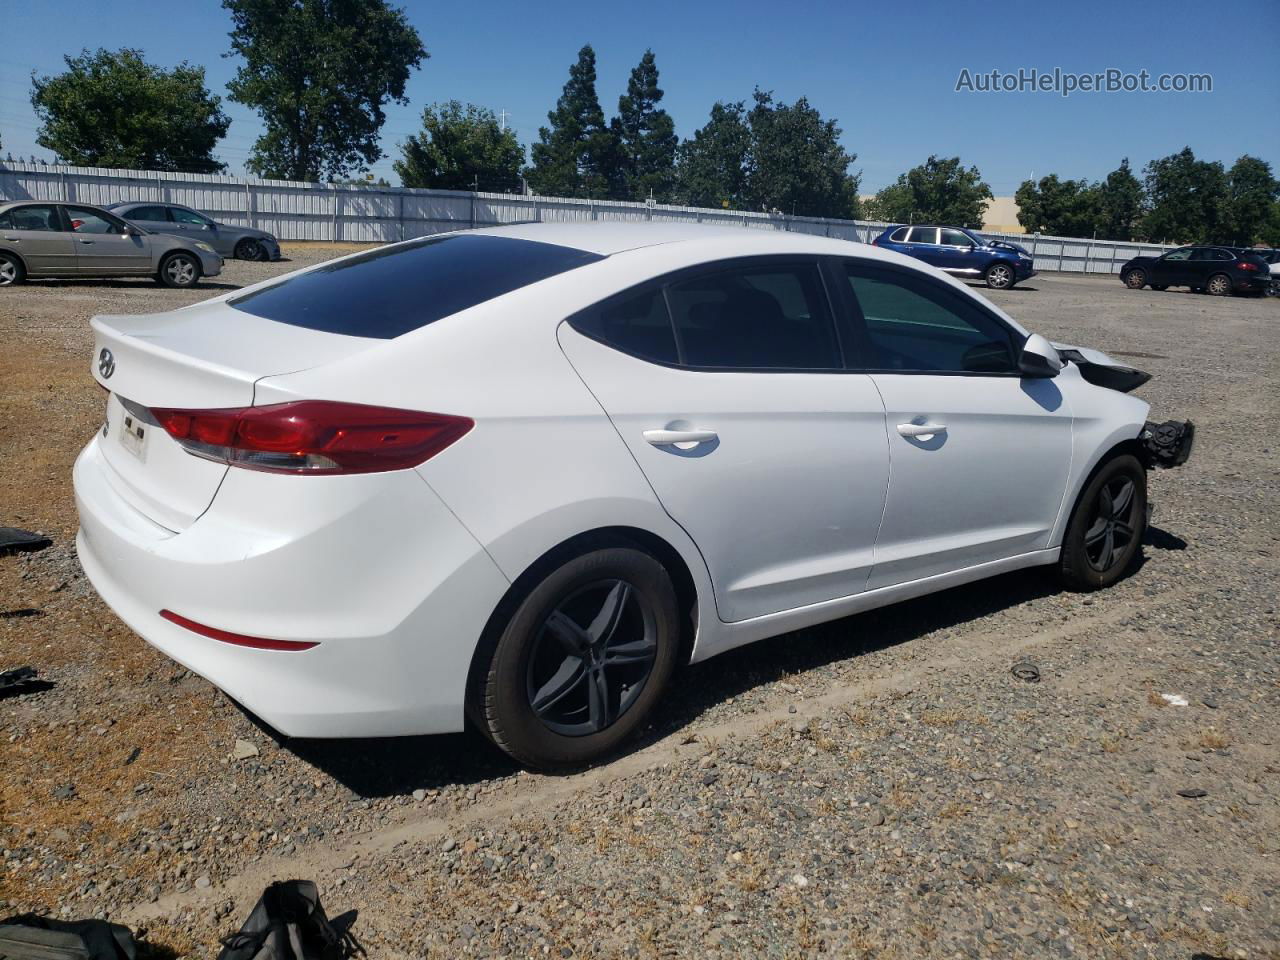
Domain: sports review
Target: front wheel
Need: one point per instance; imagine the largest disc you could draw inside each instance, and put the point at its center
(999, 276)
(1219, 285)
(250, 249)
(1135, 279)
(179, 270)
(11, 271)
(582, 661)
(1107, 526)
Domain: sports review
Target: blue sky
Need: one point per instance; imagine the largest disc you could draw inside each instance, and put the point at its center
(885, 70)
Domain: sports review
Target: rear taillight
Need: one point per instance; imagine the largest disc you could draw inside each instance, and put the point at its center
(314, 436)
(1245, 265)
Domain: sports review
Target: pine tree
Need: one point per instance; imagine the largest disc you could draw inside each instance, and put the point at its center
(646, 137)
(577, 156)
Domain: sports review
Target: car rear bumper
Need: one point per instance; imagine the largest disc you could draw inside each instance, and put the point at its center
(375, 570)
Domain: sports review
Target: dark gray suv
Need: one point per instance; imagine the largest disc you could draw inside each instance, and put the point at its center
(242, 243)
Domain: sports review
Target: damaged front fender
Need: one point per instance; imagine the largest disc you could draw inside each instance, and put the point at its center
(1101, 370)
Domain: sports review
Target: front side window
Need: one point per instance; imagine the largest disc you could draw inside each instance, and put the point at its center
(924, 234)
(36, 217)
(1182, 254)
(755, 317)
(955, 238)
(914, 324)
(394, 289)
(86, 220)
(189, 217)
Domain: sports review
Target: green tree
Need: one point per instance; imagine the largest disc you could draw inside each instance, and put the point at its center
(113, 109)
(1120, 202)
(940, 190)
(460, 147)
(798, 165)
(711, 167)
(1251, 199)
(319, 73)
(578, 155)
(1067, 208)
(1187, 199)
(646, 136)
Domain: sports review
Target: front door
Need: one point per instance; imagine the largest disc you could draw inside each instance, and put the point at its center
(956, 253)
(737, 408)
(978, 455)
(37, 234)
(103, 245)
(1173, 269)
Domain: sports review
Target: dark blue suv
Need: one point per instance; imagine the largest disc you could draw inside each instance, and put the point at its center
(961, 253)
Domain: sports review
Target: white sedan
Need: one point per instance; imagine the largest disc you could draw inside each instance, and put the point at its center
(517, 475)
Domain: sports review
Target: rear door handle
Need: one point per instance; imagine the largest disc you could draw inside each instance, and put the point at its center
(661, 438)
(921, 431)
(82, 240)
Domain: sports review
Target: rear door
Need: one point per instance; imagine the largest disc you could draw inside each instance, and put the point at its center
(102, 244)
(736, 405)
(153, 217)
(37, 233)
(923, 244)
(978, 456)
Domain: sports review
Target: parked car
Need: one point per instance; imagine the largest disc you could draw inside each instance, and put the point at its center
(1272, 259)
(1208, 269)
(519, 473)
(242, 243)
(41, 239)
(961, 253)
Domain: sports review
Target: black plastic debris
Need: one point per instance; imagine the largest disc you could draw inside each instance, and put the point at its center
(1026, 670)
(289, 923)
(1168, 444)
(1193, 793)
(20, 680)
(13, 540)
(20, 613)
(30, 937)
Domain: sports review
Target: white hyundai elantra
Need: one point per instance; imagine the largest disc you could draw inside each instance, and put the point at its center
(519, 474)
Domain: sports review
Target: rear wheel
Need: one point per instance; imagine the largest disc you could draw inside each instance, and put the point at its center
(1135, 279)
(1107, 526)
(11, 270)
(999, 276)
(179, 270)
(250, 249)
(1219, 285)
(582, 661)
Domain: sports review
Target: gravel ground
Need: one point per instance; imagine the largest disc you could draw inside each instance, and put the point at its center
(881, 786)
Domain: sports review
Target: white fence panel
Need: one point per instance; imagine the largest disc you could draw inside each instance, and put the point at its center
(341, 212)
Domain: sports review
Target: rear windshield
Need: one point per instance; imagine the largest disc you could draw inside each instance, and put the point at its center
(392, 290)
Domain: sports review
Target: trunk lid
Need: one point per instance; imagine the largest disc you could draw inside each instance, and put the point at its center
(207, 356)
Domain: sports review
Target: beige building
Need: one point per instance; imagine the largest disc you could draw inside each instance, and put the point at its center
(1001, 215)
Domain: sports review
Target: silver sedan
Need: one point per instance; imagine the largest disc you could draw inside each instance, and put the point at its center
(42, 239)
(242, 243)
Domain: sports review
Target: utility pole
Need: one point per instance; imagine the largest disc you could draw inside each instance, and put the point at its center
(503, 117)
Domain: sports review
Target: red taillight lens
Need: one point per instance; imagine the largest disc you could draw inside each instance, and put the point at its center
(238, 639)
(1246, 265)
(314, 436)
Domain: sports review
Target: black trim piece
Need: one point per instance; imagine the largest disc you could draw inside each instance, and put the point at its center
(1167, 444)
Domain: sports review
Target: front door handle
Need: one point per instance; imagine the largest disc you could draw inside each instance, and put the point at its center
(82, 240)
(921, 431)
(662, 438)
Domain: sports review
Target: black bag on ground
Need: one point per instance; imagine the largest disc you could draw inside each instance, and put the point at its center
(288, 923)
(30, 937)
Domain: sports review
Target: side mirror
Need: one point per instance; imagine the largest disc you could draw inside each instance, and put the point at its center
(1039, 358)
(131, 231)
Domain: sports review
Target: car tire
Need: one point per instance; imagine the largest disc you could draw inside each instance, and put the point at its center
(582, 660)
(1107, 526)
(1160, 286)
(250, 249)
(11, 270)
(1135, 279)
(1219, 285)
(179, 270)
(1000, 276)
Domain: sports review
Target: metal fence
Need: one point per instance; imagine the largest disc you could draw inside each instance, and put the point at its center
(369, 214)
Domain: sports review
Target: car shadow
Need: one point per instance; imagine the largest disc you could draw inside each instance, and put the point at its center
(1016, 288)
(395, 766)
(123, 283)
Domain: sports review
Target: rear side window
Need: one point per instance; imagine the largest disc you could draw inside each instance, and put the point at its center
(635, 323)
(761, 317)
(389, 291)
(924, 234)
(41, 217)
(912, 324)
(145, 213)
